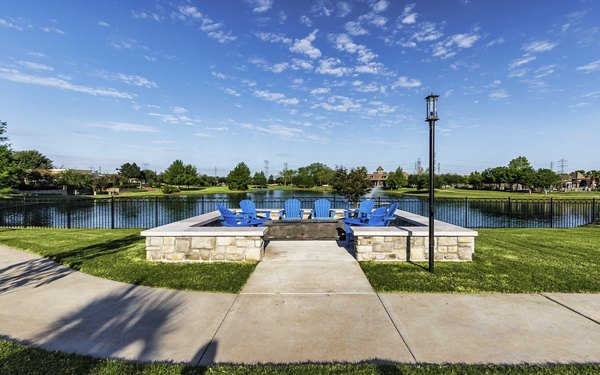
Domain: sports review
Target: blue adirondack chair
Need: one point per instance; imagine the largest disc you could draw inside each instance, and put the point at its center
(322, 210)
(390, 213)
(291, 210)
(377, 219)
(364, 210)
(249, 208)
(231, 219)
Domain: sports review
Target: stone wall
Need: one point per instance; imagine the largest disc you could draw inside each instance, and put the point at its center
(400, 248)
(205, 248)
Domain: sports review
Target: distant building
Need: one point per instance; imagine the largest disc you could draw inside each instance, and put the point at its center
(576, 181)
(379, 178)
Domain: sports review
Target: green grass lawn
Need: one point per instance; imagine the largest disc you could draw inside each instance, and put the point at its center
(505, 261)
(17, 359)
(119, 254)
(462, 193)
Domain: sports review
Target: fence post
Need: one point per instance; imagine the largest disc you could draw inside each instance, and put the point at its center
(551, 213)
(334, 201)
(466, 212)
(593, 210)
(510, 213)
(156, 211)
(68, 213)
(25, 213)
(379, 201)
(112, 212)
(202, 204)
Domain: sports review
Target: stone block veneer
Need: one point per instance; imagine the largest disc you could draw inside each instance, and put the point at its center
(205, 249)
(401, 248)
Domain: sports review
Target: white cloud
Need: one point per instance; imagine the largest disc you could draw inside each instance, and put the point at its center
(134, 80)
(339, 104)
(522, 61)
(176, 118)
(331, 66)
(305, 20)
(538, 46)
(355, 28)
(448, 48)
(219, 129)
(275, 97)
(319, 91)
(231, 92)
(370, 68)
(591, 67)
(361, 87)
(428, 32)
(322, 8)
(103, 24)
(498, 94)
(281, 131)
(407, 83)
(380, 6)
(123, 127)
(273, 37)
(16, 76)
(180, 110)
(279, 67)
(344, 43)
(304, 46)
(204, 135)
(344, 8)
(147, 16)
(218, 75)
(408, 16)
(10, 25)
(301, 64)
(213, 29)
(53, 30)
(260, 6)
(36, 66)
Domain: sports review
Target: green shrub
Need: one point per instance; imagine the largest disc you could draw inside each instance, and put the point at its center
(168, 189)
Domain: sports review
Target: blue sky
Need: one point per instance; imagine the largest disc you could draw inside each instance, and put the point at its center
(96, 84)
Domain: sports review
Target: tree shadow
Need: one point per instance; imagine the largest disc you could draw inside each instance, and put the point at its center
(33, 272)
(76, 257)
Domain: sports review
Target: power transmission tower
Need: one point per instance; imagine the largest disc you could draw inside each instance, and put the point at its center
(552, 166)
(439, 168)
(285, 166)
(215, 171)
(418, 166)
(562, 164)
(267, 168)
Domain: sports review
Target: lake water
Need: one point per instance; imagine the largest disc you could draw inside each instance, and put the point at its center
(151, 212)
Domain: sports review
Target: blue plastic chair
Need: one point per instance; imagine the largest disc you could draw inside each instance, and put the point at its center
(322, 210)
(291, 210)
(390, 213)
(249, 209)
(231, 219)
(364, 210)
(377, 219)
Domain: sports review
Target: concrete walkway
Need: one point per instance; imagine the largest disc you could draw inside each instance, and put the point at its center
(306, 302)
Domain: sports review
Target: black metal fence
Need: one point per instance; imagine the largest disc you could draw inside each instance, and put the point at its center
(79, 212)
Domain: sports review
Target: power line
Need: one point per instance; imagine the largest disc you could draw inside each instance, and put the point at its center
(562, 164)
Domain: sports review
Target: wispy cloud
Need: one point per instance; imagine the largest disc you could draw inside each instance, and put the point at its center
(204, 135)
(260, 6)
(147, 16)
(53, 30)
(591, 67)
(36, 66)
(538, 46)
(408, 15)
(319, 91)
(10, 25)
(275, 97)
(305, 20)
(273, 37)
(521, 61)
(331, 66)
(59, 83)
(339, 103)
(214, 30)
(498, 94)
(133, 80)
(406, 83)
(103, 24)
(123, 127)
(452, 44)
(304, 46)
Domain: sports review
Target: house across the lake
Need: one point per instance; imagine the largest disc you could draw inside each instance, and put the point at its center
(379, 178)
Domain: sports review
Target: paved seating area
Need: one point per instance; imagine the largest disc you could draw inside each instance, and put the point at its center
(307, 301)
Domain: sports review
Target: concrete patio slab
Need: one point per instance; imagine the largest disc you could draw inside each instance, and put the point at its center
(585, 304)
(494, 328)
(306, 328)
(306, 250)
(163, 325)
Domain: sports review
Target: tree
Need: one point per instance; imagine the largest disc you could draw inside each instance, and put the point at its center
(545, 179)
(397, 179)
(321, 174)
(72, 179)
(149, 176)
(130, 170)
(259, 179)
(29, 160)
(175, 174)
(287, 175)
(190, 175)
(304, 178)
(352, 185)
(239, 177)
(271, 179)
(419, 181)
(594, 175)
(475, 179)
(102, 183)
(520, 172)
(9, 170)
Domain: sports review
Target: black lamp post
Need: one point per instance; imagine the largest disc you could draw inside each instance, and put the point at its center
(432, 117)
